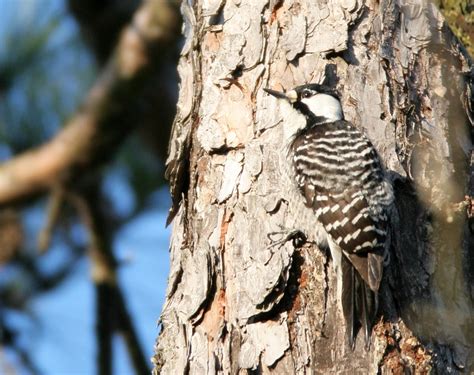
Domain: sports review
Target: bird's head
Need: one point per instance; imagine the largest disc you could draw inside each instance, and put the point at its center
(318, 103)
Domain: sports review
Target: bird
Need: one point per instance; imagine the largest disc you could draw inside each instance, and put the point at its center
(339, 174)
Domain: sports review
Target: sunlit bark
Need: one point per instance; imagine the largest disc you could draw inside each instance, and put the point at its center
(236, 304)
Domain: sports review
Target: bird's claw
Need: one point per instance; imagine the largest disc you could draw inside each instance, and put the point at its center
(297, 237)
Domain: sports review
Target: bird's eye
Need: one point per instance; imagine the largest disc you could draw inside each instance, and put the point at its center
(305, 94)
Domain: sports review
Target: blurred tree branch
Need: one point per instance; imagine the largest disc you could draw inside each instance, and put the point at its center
(11, 235)
(112, 314)
(101, 23)
(113, 108)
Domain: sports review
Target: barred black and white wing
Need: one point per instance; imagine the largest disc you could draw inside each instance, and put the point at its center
(339, 173)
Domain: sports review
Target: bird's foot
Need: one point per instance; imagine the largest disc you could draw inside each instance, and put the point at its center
(297, 237)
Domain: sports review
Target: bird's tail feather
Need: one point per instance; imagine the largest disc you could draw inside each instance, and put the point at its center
(359, 304)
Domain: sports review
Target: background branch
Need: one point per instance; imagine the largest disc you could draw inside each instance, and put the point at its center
(111, 110)
(112, 314)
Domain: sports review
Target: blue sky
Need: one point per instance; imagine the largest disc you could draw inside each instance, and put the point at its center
(65, 316)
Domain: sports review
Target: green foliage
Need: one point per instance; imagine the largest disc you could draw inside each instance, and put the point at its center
(459, 15)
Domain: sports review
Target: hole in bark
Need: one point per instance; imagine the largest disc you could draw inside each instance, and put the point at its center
(287, 303)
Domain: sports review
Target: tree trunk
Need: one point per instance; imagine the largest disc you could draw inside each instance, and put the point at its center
(237, 303)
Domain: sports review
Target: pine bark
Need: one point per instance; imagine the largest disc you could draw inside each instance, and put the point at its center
(237, 304)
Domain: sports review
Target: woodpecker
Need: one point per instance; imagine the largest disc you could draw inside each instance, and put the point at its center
(338, 172)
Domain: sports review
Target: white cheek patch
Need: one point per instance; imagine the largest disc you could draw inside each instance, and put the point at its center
(324, 105)
(293, 122)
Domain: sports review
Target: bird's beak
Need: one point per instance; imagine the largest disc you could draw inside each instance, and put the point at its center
(291, 95)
